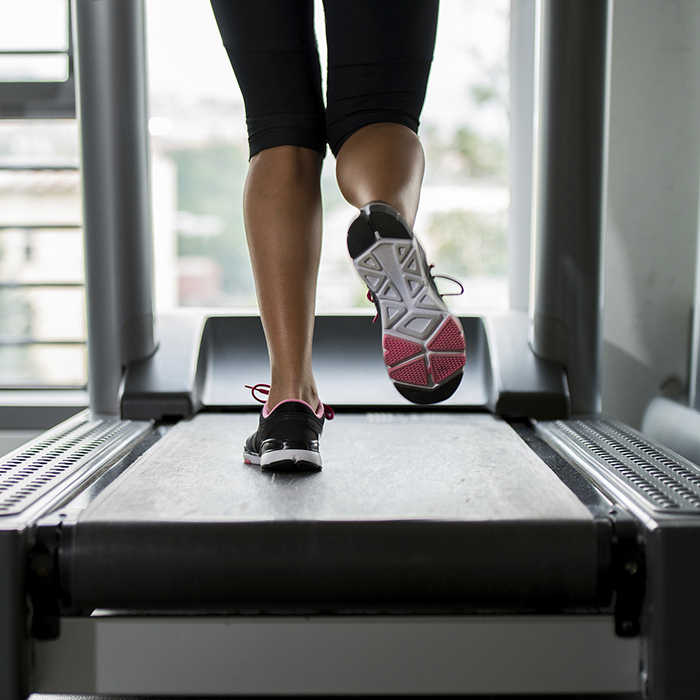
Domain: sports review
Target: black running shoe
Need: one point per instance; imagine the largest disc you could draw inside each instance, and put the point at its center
(287, 437)
(424, 348)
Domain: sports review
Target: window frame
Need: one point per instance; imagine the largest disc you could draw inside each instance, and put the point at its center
(39, 99)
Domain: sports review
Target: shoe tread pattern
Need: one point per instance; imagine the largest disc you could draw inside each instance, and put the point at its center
(412, 312)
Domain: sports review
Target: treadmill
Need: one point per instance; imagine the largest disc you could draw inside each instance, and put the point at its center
(508, 541)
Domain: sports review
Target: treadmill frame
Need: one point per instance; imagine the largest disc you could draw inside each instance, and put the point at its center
(121, 330)
(353, 655)
(436, 653)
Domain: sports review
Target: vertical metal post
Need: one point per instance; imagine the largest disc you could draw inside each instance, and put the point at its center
(571, 185)
(109, 40)
(521, 154)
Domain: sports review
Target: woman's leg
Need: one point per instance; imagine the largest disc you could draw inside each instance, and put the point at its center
(282, 210)
(382, 162)
(379, 58)
(376, 88)
(272, 48)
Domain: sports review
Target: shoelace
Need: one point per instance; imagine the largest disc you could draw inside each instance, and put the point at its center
(452, 279)
(371, 298)
(264, 389)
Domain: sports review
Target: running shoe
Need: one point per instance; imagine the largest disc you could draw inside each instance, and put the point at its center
(287, 436)
(424, 348)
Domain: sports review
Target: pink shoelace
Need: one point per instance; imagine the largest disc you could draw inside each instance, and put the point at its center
(264, 389)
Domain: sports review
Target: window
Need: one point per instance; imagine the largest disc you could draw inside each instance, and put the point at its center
(200, 160)
(42, 297)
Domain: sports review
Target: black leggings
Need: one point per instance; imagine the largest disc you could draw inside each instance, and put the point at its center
(379, 56)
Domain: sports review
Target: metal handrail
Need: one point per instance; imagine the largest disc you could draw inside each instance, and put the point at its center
(41, 285)
(37, 52)
(43, 387)
(38, 227)
(10, 341)
(32, 168)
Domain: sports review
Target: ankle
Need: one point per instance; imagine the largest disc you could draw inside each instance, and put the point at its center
(292, 392)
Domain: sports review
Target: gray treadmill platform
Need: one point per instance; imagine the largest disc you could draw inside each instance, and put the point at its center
(454, 510)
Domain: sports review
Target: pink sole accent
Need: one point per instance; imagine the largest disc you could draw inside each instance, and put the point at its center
(449, 337)
(443, 366)
(414, 372)
(397, 349)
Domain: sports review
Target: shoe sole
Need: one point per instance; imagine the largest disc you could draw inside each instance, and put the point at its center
(424, 346)
(289, 460)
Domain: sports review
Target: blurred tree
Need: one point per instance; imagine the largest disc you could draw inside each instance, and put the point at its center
(469, 244)
(210, 182)
(483, 157)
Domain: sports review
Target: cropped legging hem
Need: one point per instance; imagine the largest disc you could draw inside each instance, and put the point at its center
(379, 56)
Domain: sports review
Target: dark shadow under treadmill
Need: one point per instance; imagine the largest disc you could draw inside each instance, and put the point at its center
(420, 511)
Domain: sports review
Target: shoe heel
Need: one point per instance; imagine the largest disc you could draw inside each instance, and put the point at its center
(360, 236)
(388, 225)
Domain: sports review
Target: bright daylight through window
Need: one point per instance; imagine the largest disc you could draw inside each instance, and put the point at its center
(199, 162)
(199, 141)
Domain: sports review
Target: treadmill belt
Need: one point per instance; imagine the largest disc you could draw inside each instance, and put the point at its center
(421, 509)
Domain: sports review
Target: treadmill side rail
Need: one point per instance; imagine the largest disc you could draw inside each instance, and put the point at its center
(34, 480)
(652, 481)
(662, 489)
(57, 463)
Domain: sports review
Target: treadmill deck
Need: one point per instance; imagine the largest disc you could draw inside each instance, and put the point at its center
(377, 466)
(421, 509)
